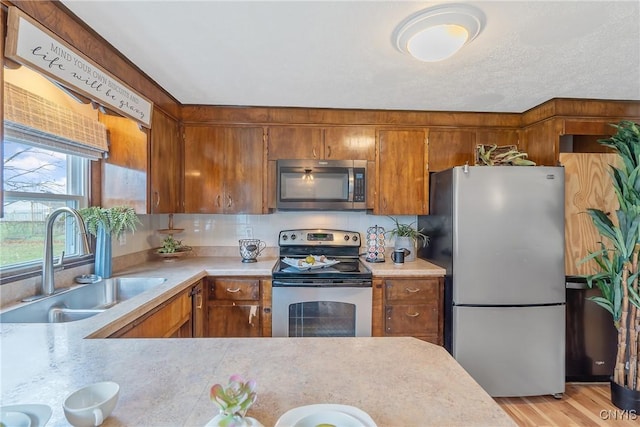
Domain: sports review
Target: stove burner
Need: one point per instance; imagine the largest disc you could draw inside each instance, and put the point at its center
(341, 245)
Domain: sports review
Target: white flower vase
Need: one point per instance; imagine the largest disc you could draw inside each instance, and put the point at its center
(403, 242)
(248, 422)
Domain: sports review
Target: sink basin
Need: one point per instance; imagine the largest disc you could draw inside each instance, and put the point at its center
(80, 302)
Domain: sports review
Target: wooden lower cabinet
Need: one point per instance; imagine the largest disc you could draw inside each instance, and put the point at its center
(234, 320)
(412, 307)
(171, 319)
(235, 307)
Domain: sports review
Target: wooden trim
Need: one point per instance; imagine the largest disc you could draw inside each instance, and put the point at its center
(585, 108)
(54, 16)
(326, 116)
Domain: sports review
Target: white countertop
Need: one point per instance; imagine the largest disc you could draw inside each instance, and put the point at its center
(165, 382)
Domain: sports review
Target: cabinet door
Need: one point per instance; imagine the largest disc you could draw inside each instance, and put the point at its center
(204, 169)
(124, 173)
(295, 143)
(587, 185)
(244, 169)
(197, 310)
(166, 164)
(402, 178)
(449, 148)
(170, 320)
(350, 143)
(234, 320)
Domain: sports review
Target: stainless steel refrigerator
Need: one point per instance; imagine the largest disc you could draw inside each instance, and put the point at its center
(499, 232)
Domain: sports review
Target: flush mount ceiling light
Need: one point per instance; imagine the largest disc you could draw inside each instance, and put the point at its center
(438, 32)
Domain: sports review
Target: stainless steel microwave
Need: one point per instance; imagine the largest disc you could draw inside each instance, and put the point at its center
(321, 184)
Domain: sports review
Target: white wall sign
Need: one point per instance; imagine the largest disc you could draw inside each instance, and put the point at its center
(31, 44)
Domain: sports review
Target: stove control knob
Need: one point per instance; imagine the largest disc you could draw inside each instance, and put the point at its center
(355, 237)
(346, 237)
(293, 237)
(284, 237)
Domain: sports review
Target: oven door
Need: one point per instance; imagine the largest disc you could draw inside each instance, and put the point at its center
(321, 311)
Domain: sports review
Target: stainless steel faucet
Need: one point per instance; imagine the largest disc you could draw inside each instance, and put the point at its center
(48, 287)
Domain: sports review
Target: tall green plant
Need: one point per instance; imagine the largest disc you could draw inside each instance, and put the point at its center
(617, 278)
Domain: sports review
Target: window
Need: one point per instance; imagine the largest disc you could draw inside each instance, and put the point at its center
(37, 181)
(49, 139)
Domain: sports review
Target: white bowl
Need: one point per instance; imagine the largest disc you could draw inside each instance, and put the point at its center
(89, 406)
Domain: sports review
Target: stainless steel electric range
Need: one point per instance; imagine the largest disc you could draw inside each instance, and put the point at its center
(320, 286)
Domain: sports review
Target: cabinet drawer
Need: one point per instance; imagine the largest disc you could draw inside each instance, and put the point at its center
(412, 290)
(411, 319)
(234, 289)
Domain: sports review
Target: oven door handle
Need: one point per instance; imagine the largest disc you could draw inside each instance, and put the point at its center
(322, 284)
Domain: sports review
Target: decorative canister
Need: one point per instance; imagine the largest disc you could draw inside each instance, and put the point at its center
(375, 244)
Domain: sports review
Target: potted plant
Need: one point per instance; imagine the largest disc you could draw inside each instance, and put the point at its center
(617, 264)
(103, 223)
(406, 237)
(233, 401)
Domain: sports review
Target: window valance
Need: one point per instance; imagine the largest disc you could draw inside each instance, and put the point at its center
(34, 119)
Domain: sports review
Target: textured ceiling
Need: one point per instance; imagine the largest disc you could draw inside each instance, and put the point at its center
(341, 54)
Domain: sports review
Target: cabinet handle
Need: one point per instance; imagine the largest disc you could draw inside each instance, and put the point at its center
(328, 151)
(157, 198)
(314, 154)
(412, 291)
(416, 314)
(230, 201)
(234, 290)
(199, 301)
(218, 200)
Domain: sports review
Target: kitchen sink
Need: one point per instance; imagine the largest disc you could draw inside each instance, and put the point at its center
(80, 302)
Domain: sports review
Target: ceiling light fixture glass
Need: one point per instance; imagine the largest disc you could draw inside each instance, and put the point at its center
(436, 33)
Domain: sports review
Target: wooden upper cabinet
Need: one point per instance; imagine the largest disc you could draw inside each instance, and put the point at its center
(449, 148)
(401, 173)
(350, 143)
(166, 164)
(124, 172)
(223, 169)
(312, 142)
(541, 142)
(295, 143)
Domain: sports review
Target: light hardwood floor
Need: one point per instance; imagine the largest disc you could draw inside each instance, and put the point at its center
(583, 405)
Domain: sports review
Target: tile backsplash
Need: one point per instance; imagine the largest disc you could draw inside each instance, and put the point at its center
(225, 230)
(208, 235)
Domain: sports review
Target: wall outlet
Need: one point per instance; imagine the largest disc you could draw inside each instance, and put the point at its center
(248, 233)
(122, 240)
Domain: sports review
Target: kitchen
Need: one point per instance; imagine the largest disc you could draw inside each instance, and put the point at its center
(223, 229)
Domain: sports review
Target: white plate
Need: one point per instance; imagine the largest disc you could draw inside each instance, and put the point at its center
(37, 415)
(342, 415)
(294, 262)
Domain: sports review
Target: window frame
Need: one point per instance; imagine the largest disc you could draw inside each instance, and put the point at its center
(78, 180)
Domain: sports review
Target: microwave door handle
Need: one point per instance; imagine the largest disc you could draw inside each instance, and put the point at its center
(351, 184)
